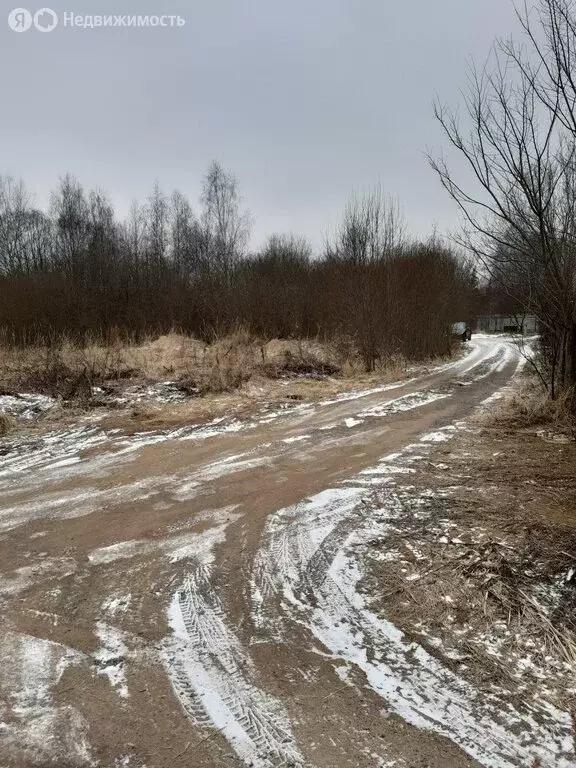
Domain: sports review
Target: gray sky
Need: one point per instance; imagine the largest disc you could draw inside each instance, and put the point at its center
(304, 100)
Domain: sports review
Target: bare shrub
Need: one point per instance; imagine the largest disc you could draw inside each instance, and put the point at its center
(223, 376)
(68, 370)
(53, 375)
(105, 362)
(303, 364)
(223, 366)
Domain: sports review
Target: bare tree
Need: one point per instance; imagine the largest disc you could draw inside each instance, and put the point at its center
(134, 233)
(40, 247)
(520, 146)
(188, 240)
(77, 271)
(157, 226)
(71, 214)
(15, 224)
(372, 231)
(226, 226)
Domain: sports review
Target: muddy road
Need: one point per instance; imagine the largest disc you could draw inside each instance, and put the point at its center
(190, 598)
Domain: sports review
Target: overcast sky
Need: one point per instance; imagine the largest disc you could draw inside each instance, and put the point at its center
(304, 100)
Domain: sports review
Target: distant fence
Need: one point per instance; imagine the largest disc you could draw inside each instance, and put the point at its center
(524, 324)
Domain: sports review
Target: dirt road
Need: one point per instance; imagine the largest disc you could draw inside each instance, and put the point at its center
(190, 598)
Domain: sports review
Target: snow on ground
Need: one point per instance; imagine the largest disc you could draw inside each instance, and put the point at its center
(313, 549)
(307, 550)
(30, 406)
(187, 546)
(29, 462)
(358, 394)
(425, 693)
(459, 563)
(402, 404)
(297, 439)
(128, 761)
(212, 675)
(14, 582)
(152, 392)
(115, 604)
(30, 722)
(72, 504)
(67, 505)
(26, 406)
(190, 487)
(110, 657)
(61, 456)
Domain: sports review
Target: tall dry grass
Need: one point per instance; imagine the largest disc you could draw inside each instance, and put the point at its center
(7, 424)
(532, 406)
(66, 369)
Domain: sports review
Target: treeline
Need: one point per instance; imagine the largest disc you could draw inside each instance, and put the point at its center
(76, 270)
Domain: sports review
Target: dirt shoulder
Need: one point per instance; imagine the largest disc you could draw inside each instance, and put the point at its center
(479, 566)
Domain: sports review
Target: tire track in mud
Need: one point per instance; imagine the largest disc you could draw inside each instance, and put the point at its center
(212, 674)
(290, 549)
(317, 590)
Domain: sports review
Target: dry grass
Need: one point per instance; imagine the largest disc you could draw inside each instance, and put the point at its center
(149, 415)
(227, 364)
(492, 518)
(235, 376)
(7, 424)
(498, 580)
(532, 406)
(63, 370)
(493, 602)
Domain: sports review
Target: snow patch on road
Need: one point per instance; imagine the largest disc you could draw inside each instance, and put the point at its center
(188, 488)
(436, 437)
(212, 675)
(67, 453)
(32, 726)
(177, 548)
(110, 657)
(14, 582)
(422, 691)
(402, 404)
(115, 604)
(297, 439)
(66, 505)
(358, 394)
